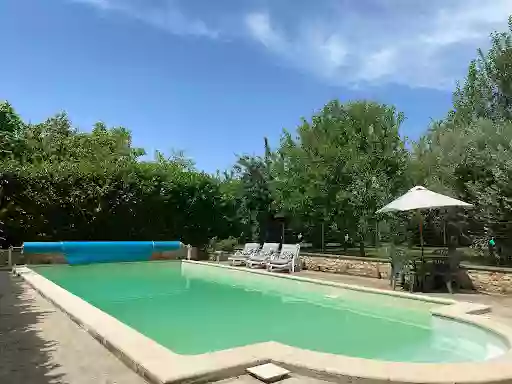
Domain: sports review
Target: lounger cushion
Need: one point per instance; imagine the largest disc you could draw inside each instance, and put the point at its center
(282, 258)
(244, 253)
(250, 252)
(262, 256)
(287, 255)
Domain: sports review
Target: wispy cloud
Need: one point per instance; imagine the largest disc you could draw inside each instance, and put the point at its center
(342, 42)
(315, 50)
(383, 42)
(165, 15)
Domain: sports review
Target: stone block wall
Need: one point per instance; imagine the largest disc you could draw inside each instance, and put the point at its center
(497, 282)
(170, 255)
(44, 258)
(483, 279)
(348, 266)
(58, 258)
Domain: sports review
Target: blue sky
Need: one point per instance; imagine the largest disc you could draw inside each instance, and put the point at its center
(213, 78)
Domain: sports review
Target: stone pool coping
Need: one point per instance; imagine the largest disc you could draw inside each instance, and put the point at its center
(160, 365)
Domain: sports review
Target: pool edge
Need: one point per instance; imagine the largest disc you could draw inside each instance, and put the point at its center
(418, 297)
(160, 365)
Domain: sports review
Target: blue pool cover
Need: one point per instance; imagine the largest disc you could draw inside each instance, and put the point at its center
(87, 252)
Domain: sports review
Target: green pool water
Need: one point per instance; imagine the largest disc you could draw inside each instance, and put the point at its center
(193, 309)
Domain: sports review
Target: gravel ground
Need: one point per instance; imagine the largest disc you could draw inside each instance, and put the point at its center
(40, 345)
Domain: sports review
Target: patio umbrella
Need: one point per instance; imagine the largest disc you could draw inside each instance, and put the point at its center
(419, 198)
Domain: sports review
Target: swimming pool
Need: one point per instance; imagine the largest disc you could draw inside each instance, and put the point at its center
(194, 309)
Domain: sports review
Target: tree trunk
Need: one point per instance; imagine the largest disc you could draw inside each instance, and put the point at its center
(361, 249)
(323, 237)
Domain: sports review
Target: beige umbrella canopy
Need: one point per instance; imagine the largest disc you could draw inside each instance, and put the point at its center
(422, 198)
(419, 198)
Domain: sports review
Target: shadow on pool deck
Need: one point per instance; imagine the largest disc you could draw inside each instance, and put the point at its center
(25, 356)
(39, 344)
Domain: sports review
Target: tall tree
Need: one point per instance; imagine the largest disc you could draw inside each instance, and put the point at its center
(342, 166)
(255, 194)
(468, 154)
(11, 127)
(487, 90)
(474, 163)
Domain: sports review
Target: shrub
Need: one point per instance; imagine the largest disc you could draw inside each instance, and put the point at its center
(226, 245)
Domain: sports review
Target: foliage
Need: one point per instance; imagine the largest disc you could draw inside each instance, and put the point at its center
(226, 245)
(70, 185)
(11, 127)
(487, 91)
(254, 193)
(473, 163)
(247, 188)
(469, 154)
(342, 167)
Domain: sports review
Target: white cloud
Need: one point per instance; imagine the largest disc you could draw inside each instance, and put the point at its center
(174, 21)
(314, 51)
(379, 64)
(467, 23)
(384, 42)
(417, 43)
(164, 15)
(260, 28)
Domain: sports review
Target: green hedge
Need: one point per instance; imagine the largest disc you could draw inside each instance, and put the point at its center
(131, 201)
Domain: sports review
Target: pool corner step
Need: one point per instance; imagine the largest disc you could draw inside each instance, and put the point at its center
(268, 373)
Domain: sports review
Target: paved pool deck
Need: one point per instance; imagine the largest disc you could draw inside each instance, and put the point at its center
(39, 344)
(291, 379)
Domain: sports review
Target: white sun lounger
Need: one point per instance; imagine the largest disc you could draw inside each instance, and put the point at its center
(287, 260)
(260, 259)
(240, 257)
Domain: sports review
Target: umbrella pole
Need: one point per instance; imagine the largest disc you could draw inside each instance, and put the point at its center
(422, 260)
(421, 235)
(444, 226)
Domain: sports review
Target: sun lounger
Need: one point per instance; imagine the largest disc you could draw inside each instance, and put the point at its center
(260, 259)
(286, 260)
(240, 257)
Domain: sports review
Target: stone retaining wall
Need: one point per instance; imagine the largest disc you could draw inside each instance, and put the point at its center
(355, 267)
(170, 255)
(59, 258)
(483, 279)
(43, 258)
(491, 281)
